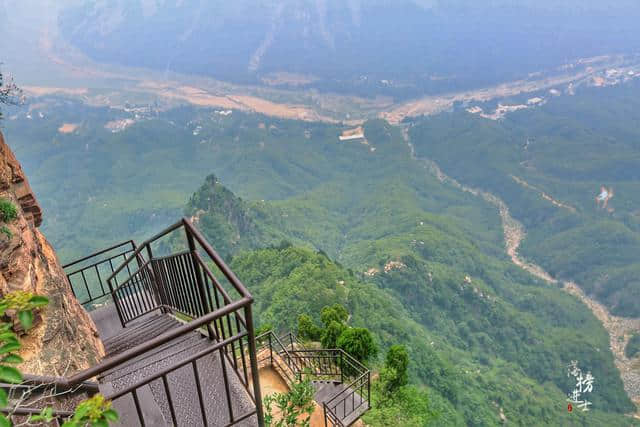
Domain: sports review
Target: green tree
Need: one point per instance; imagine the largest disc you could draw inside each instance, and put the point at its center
(307, 329)
(331, 334)
(394, 375)
(359, 343)
(334, 313)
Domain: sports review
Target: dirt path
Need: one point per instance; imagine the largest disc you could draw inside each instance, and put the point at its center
(544, 195)
(619, 328)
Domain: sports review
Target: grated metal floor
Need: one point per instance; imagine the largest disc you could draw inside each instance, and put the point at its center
(181, 382)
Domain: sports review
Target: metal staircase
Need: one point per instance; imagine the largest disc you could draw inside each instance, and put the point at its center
(177, 328)
(342, 384)
(179, 338)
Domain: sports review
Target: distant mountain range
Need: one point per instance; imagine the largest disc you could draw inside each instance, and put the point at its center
(402, 48)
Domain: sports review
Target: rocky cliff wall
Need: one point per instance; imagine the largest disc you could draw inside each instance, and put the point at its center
(64, 339)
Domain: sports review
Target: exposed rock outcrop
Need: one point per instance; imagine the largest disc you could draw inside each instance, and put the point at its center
(64, 340)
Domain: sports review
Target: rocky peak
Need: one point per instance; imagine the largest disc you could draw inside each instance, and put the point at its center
(64, 340)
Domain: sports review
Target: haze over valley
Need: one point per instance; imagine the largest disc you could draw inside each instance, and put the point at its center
(463, 177)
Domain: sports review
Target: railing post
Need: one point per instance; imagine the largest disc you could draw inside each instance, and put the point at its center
(154, 276)
(115, 302)
(198, 271)
(341, 361)
(270, 349)
(149, 253)
(324, 407)
(248, 317)
(369, 388)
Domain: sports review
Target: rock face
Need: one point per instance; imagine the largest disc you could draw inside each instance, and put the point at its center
(64, 340)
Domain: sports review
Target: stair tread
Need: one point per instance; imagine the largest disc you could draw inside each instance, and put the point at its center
(181, 383)
(139, 333)
(347, 410)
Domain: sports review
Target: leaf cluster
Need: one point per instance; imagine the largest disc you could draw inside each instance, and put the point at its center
(294, 407)
(8, 211)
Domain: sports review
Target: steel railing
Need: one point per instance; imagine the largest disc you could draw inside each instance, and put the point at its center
(87, 275)
(217, 305)
(325, 365)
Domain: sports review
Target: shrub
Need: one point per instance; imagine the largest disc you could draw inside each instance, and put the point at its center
(266, 327)
(308, 330)
(331, 334)
(8, 211)
(394, 374)
(5, 230)
(359, 343)
(335, 312)
(292, 406)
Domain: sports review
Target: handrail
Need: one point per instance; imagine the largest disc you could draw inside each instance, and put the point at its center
(217, 259)
(86, 281)
(96, 263)
(184, 222)
(143, 245)
(347, 387)
(213, 278)
(159, 340)
(180, 282)
(142, 266)
(179, 365)
(334, 418)
(89, 386)
(296, 369)
(131, 242)
(361, 378)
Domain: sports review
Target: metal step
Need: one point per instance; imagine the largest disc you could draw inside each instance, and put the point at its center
(353, 406)
(181, 383)
(138, 333)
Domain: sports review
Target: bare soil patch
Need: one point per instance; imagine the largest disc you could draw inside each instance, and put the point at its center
(68, 128)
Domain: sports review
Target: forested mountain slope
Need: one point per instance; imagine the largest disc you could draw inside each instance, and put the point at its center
(427, 257)
(548, 165)
(472, 322)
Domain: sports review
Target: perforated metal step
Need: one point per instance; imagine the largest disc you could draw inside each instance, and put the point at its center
(348, 410)
(181, 383)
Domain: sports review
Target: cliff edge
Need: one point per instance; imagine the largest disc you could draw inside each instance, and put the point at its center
(64, 339)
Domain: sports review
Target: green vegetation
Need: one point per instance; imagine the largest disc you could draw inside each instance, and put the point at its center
(568, 149)
(465, 369)
(394, 375)
(358, 342)
(94, 412)
(294, 407)
(8, 211)
(307, 330)
(5, 230)
(309, 222)
(633, 346)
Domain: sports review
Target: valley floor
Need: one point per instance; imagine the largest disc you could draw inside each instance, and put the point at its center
(620, 329)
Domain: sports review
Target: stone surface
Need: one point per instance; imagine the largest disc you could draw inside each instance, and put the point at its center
(65, 339)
